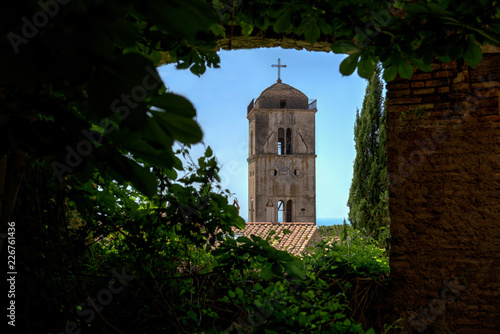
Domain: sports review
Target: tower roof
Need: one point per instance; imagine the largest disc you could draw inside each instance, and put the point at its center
(281, 90)
(281, 96)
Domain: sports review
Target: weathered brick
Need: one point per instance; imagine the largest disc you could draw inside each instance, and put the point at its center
(459, 78)
(436, 66)
(417, 84)
(396, 108)
(450, 65)
(399, 85)
(436, 83)
(421, 76)
(423, 91)
(401, 101)
(397, 93)
(461, 86)
(445, 195)
(442, 74)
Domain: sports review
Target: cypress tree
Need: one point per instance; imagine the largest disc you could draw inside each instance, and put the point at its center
(368, 196)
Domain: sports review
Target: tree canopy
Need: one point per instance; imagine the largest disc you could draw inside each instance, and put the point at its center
(369, 193)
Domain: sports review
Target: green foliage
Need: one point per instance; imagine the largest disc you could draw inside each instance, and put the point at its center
(368, 195)
(84, 90)
(356, 255)
(84, 109)
(187, 271)
(403, 36)
(330, 231)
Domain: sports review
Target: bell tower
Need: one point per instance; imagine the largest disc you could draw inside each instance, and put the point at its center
(281, 157)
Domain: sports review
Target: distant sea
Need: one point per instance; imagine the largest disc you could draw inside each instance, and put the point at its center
(326, 221)
(330, 221)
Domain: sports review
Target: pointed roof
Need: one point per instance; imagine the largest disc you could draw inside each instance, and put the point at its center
(302, 236)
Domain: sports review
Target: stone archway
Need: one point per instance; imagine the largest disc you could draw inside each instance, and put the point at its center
(443, 143)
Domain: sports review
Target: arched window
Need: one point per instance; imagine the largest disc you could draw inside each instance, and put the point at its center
(280, 211)
(281, 141)
(269, 210)
(251, 215)
(288, 138)
(288, 215)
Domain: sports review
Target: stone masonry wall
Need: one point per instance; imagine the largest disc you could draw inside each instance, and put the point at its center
(444, 174)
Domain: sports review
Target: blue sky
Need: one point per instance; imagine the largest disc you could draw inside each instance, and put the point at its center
(221, 97)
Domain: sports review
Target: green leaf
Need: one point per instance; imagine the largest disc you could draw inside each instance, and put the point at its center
(366, 66)
(312, 32)
(246, 28)
(208, 152)
(349, 64)
(417, 8)
(270, 331)
(142, 179)
(183, 129)
(422, 65)
(405, 70)
(266, 272)
(244, 240)
(218, 30)
(170, 173)
(390, 73)
(239, 222)
(174, 103)
(344, 47)
(283, 22)
(473, 54)
(157, 134)
(155, 56)
(444, 58)
(191, 314)
(185, 18)
(231, 294)
(294, 270)
(277, 270)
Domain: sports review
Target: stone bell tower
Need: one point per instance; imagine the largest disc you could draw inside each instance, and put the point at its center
(281, 157)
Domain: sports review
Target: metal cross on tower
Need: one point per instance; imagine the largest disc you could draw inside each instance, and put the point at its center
(279, 66)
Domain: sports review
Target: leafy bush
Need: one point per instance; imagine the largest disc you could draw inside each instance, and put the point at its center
(330, 231)
(186, 271)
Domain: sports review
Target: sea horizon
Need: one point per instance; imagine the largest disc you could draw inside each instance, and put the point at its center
(326, 221)
(330, 221)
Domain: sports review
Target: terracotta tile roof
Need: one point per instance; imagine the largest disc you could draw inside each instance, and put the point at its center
(301, 237)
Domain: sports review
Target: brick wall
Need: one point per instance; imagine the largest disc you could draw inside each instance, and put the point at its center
(444, 172)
